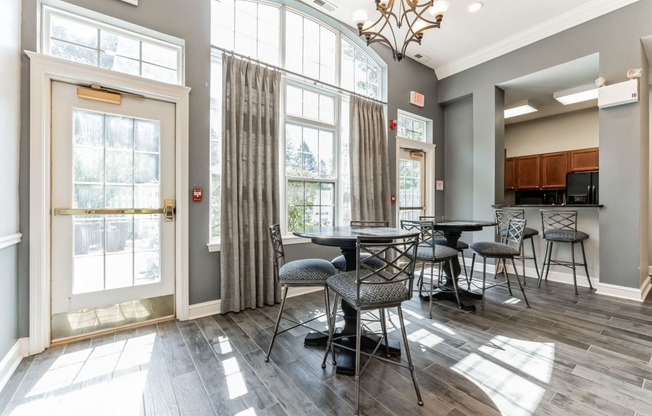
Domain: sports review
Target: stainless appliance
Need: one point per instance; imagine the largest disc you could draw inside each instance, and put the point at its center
(582, 187)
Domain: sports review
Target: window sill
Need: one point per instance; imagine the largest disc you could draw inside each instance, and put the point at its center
(215, 246)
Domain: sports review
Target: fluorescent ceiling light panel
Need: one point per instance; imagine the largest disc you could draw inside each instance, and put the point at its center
(577, 95)
(519, 108)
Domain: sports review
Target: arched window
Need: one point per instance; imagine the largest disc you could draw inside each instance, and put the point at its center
(322, 67)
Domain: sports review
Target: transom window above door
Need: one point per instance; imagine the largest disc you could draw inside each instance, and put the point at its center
(73, 35)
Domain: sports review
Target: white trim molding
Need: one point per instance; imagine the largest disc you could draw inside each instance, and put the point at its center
(10, 240)
(11, 360)
(43, 71)
(630, 293)
(645, 288)
(574, 17)
(200, 310)
(212, 307)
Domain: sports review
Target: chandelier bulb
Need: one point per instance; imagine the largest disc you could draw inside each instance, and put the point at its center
(360, 17)
(438, 8)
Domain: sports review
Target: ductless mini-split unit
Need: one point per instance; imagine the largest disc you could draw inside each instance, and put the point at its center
(618, 94)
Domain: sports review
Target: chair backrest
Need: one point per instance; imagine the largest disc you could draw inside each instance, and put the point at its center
(365, 223)
(554, 219)
(434, 218)
(426, 230)
(502, 216)
(385, 260)
(514, 232)
(277, 247)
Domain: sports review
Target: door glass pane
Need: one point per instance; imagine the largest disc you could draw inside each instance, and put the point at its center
(411, 188)
(146, 249)
(116, 165)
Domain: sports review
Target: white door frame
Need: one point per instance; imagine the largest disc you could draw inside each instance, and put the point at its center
(429, 150)
(43, 70)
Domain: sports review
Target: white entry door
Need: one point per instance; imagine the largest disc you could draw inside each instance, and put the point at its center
(113, 184)
(412, 184)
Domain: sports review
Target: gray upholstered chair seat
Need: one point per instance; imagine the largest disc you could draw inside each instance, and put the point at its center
(491, 249)
(345, 285)
(306, 271)
(527, 232)
(442, 253)
(565, 235)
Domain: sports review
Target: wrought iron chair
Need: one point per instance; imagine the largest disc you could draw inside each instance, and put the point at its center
(502, 216)
(431, 253)
(340, 262)
(440, 239)
(383, 279)
(509, 249)
(561, 227)
(297, 273)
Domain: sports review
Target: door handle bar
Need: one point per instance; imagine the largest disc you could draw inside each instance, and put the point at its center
(168, 210)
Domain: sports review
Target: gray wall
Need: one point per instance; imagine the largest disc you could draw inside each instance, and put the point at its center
(622, 138)
(9, 156)
(192, 24)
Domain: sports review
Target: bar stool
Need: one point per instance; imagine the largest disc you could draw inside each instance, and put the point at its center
(297, 273)
(561, 227)
(502, 216)
(501, 251)
(440, 239)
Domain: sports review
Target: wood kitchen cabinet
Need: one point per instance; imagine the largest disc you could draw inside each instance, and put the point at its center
(527, 172)
(553, 170)
(583, 159)
(510, 173)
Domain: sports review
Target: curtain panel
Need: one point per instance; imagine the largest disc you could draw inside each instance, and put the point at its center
(250, 184)
(369, 161)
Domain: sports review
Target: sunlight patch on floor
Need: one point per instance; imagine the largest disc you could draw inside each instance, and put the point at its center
(425, 338)
(234, 379)
(505, 375)
(89, 381)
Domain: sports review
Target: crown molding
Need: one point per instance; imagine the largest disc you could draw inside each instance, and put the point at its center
(577, 16)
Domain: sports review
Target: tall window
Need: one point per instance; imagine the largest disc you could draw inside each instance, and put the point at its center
(248, 27)
(314, 130)
(77, 38)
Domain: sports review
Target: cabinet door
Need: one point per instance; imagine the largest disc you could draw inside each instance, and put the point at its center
(553, 170)
(510, 173)
(584, 159)
(527, 172)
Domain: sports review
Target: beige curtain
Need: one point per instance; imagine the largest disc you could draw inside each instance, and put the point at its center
(369, 161)
(250, 186)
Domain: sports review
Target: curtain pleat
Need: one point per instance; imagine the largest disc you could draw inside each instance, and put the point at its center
(250, 188)
(369, 161)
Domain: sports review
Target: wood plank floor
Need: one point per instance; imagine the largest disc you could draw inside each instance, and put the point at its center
(567, 355)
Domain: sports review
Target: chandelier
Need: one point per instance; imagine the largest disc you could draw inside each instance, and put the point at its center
(411, 19)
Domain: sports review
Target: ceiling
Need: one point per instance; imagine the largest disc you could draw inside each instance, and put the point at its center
(467, 39)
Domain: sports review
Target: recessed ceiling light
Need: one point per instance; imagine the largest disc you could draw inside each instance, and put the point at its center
(519, 108)
(475, 6)
(577, 95)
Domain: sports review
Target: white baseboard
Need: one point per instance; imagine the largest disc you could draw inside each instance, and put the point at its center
(554, 276)
(12, 359)
(630, 293)
(200, 310)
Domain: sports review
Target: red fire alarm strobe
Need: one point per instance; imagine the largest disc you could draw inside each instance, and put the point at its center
(197, 194)
(392, 124)
(393, 199)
